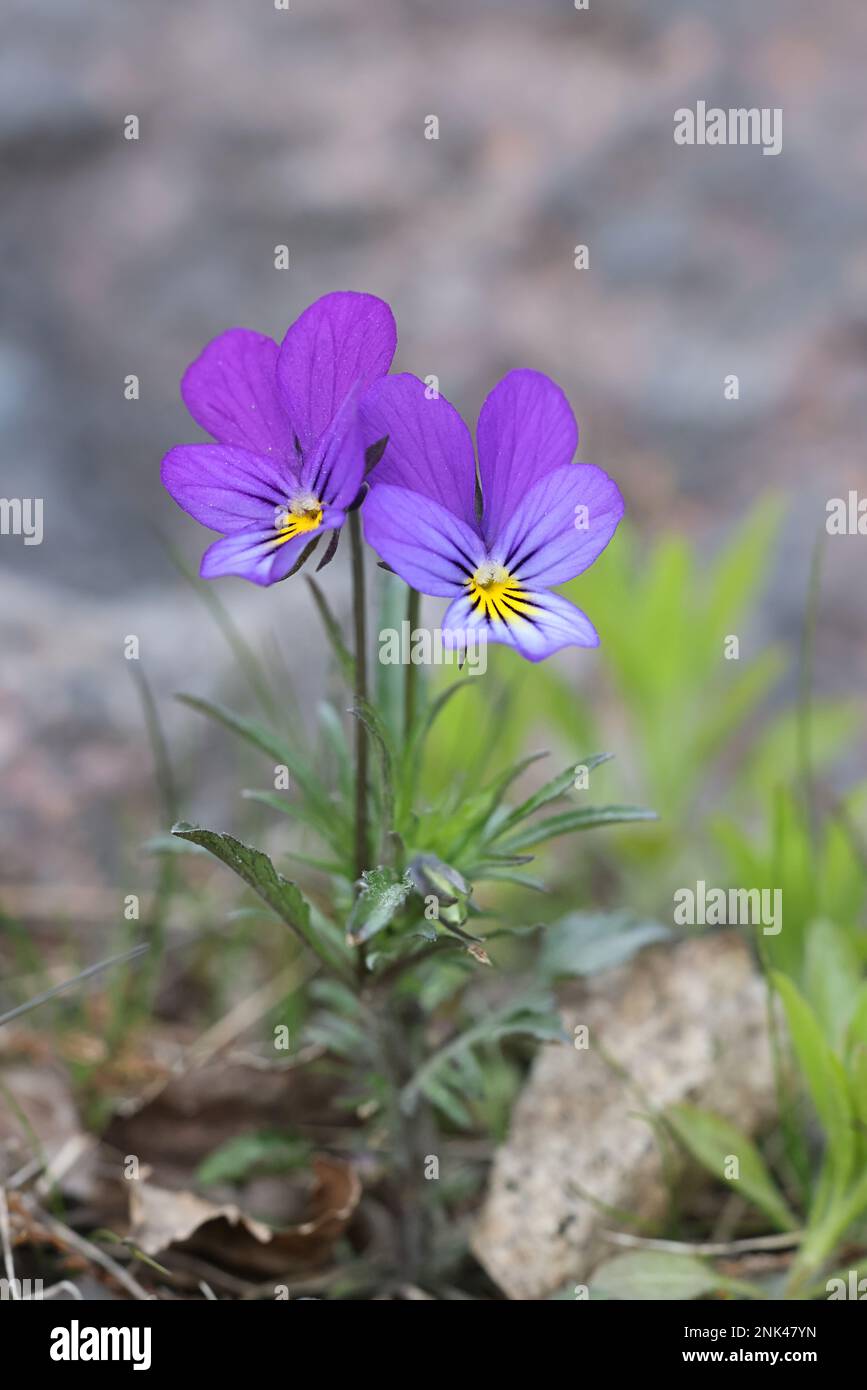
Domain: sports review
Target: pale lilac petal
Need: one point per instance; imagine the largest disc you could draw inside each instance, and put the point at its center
(256, 554)
(225, 487)
(429, 448)
(428, 546)
(563, 523)
(526, 428)
(231, 391)
(342, 339)
(555, 623)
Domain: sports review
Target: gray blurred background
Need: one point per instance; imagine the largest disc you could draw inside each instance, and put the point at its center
(306, 127)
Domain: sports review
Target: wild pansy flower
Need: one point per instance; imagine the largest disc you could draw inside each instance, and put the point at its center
(543, 519)
(289, 455)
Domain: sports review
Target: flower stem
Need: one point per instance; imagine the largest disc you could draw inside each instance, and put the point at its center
(410, 687)
(360, 620)
(401, 1041)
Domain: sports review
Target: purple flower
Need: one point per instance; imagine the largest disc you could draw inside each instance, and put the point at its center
(289, 454)
(543, 520)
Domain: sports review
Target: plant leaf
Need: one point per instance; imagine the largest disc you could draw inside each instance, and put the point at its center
(713, 1140)
(333, 632)
(655, 1275)
(267, 742)
(551, 791)
(383, 893)
(264, 1153)
(370, 718)
(281, 895)
(585, 942)
(586, 818)
(534, 1016)
(825, 1079)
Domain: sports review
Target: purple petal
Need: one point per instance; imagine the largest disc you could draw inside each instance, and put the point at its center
(526, 428)
(559, 528)
(553, 623)
(231, 391)
(341, 339)
(429, 448)
(257, 554)
(225, 487)
(427, 545)
(334, 470)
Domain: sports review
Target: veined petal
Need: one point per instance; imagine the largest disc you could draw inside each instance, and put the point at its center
(334, 470)
(343, 338)
(231, 391)
(543, 624)
(260, 554)
(560, 526)
(429, 450)
(433, 550)
(225, 487)
(526, 428)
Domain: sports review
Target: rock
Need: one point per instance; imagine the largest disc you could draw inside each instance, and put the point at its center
(680, 1024)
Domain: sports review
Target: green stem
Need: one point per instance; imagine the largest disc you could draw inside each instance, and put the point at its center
(805, 683)
(410, 687)
(821, 1242)
(362, 861)
(411, 1133)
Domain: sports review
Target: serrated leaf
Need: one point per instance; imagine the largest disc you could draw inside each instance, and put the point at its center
(282, 896)
(714, 1141)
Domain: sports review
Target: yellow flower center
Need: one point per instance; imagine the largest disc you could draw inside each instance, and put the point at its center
(495, 594)
(303, 513)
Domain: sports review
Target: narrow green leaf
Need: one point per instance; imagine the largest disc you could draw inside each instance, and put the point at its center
(267, 741)
(414, 750)
(587, 818)
(715, 1142)
(551, 791)
(333, 632)
(265, 1152)
(832, 973)
(335, 832)
(534, 1016)
(825, 1079)
(369, 716)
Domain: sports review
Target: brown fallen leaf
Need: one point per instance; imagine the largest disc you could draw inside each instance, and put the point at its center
(161, 1218)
